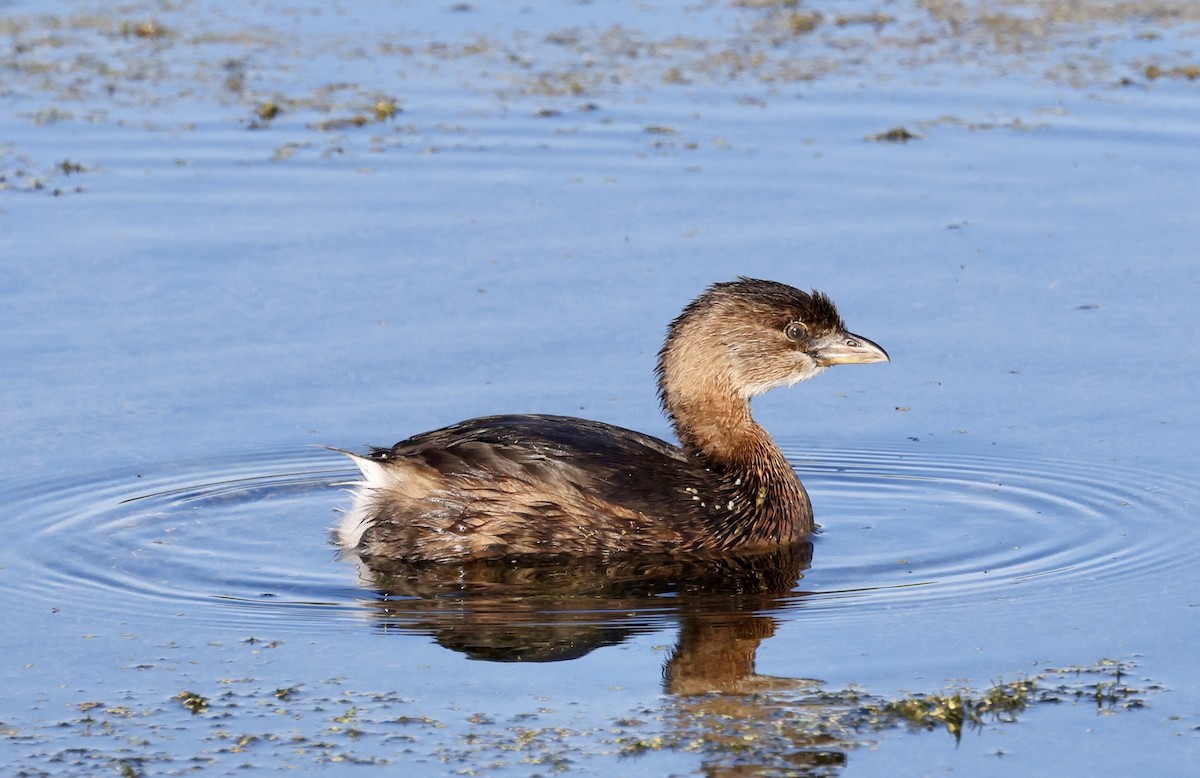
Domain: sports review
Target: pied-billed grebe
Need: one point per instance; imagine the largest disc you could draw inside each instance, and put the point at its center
(520, 486)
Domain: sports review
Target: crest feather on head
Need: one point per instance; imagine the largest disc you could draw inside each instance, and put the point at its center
(781, 302)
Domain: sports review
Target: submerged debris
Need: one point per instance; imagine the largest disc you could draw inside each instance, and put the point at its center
(68, 167)
(192, 701)
(146, 29)
(894, 135)
(384, 108)
(1191, 72)
(268, 110)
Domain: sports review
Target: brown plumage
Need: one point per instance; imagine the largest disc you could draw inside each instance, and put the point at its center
(532, 486)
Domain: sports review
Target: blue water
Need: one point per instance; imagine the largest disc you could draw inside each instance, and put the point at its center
(1013, 494)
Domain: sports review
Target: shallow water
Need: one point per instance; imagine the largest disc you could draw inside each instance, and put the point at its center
(198, 294)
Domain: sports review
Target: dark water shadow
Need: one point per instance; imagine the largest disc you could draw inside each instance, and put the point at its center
(514, 612)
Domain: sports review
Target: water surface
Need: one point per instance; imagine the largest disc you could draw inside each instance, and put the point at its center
(230, 239)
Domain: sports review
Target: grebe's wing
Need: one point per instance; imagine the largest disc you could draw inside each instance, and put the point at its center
(614, 463)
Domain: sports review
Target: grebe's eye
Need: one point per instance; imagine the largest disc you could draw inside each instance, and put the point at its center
(796, 331)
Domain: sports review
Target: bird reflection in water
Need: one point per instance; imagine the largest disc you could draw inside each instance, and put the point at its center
(502, 611)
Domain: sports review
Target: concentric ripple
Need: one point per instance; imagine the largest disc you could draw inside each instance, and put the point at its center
(239, 542)
(918, 527)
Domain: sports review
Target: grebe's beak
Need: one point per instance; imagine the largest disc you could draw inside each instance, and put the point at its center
(846, 348)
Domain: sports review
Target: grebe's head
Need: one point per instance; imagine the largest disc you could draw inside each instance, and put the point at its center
(750, 336)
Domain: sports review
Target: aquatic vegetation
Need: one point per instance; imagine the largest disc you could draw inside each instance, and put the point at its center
(795, 725)
(820, 728)
(92, 67)
(999, 703)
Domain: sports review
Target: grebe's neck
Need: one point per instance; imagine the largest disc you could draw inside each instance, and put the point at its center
(714, 422)
(705, 398)
(765, 502)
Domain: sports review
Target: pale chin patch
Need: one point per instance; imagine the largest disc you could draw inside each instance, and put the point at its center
(755, 389)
